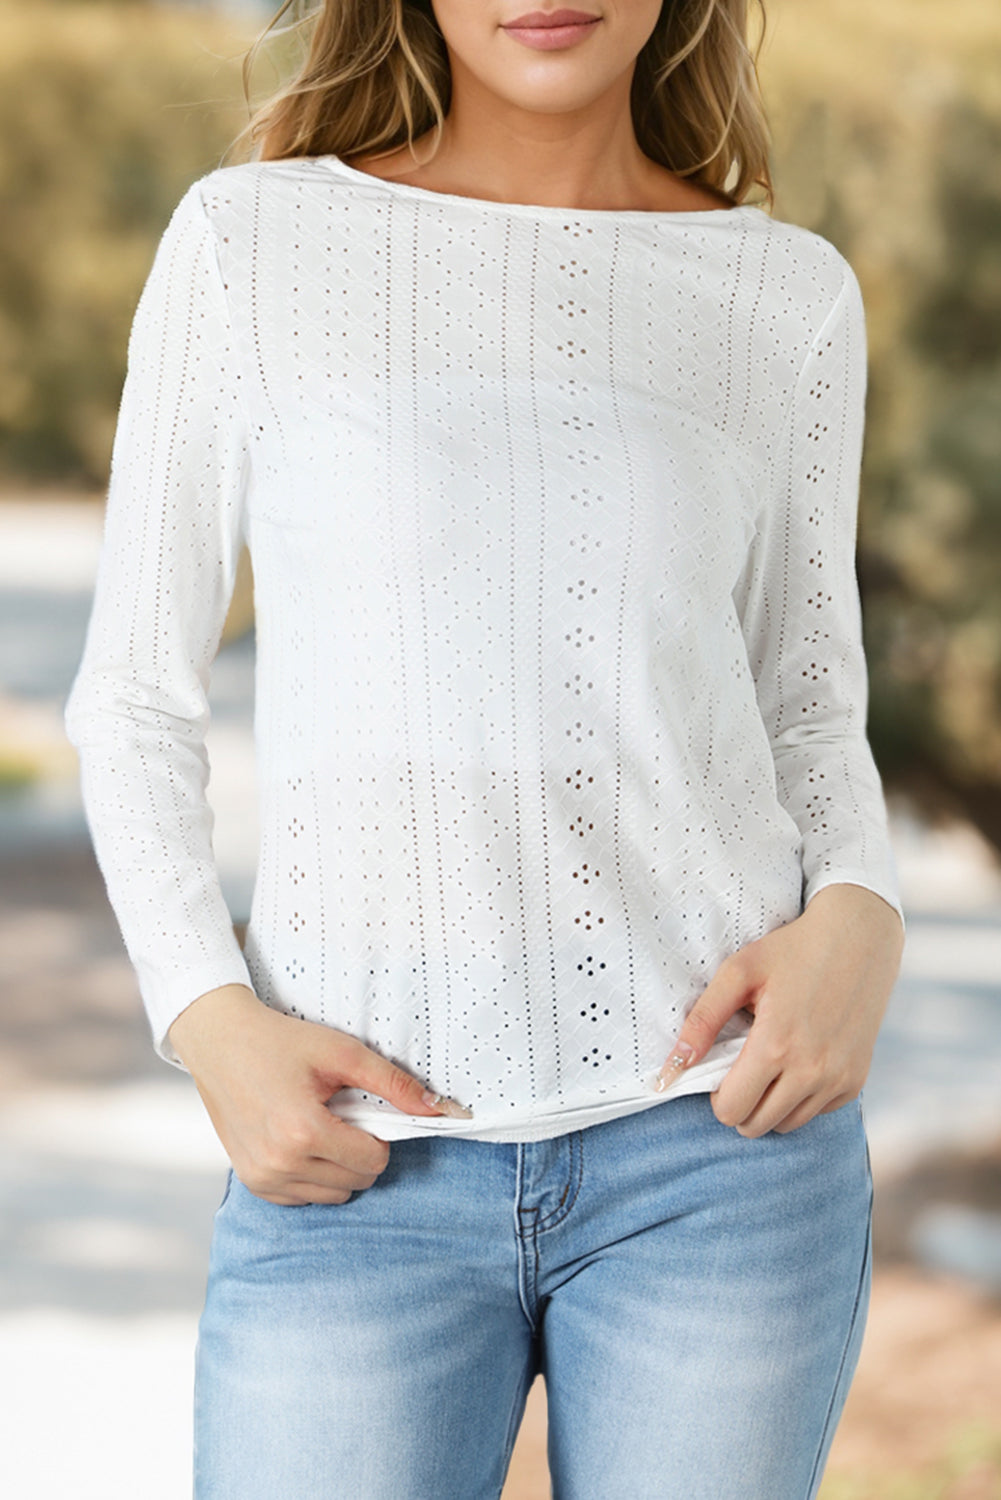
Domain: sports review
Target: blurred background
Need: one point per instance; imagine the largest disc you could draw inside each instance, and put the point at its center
(887, 129)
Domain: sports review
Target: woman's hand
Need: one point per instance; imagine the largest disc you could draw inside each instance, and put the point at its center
(817, 989)
(265, 1079)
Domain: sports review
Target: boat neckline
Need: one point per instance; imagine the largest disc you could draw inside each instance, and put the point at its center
(411, 189)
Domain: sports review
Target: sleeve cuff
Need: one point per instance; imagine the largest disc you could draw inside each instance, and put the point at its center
(885, 888)
(165, 1001)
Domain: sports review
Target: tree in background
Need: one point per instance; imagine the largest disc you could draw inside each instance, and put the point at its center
(107, 112)
(887, 124)
(932, 563)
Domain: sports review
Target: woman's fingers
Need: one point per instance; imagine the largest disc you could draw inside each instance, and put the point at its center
(776, 1083)
(839, 1102)
(817, 988)
(748, 1090)
(344, 1152)
(726, 993)
(780, 1103)
(297, 1194)
(782, 1109)
(347, 1061)
(783, 1105)
(323, 1156)
(267, 1079)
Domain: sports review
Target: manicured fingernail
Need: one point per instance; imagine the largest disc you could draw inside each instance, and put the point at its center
(450, 1107)
(675, 1066)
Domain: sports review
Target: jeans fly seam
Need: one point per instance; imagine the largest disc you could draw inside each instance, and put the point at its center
(576, 1177)
(525, 1244)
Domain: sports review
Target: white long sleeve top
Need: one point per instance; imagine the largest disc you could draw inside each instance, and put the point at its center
(560, 690)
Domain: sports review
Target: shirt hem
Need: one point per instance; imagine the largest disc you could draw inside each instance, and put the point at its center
(390, 1125)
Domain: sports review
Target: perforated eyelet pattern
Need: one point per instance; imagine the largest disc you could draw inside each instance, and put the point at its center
(561, 691)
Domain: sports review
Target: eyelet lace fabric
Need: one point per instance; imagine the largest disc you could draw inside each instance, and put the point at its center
(561, 693)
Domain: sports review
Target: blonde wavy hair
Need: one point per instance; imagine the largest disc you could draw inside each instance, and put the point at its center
(374, 75)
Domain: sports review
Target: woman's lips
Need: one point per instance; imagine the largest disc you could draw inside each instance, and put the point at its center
(550, 38)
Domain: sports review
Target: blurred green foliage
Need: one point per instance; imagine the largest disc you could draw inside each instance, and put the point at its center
(887, 129)
(107, 112)
(17, 770)
(887, 126)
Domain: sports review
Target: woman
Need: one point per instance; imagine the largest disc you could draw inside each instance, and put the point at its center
(575, 916)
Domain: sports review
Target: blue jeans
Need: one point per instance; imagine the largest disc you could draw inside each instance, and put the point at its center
(694, 1300)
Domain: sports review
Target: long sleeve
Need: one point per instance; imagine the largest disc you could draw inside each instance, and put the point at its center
(138, 709)
(800, 615)
(527, 772)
